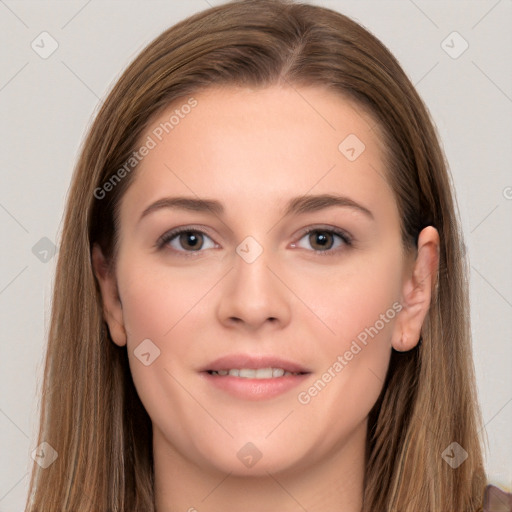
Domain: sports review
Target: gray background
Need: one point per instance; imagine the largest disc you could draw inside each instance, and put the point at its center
(47, 104)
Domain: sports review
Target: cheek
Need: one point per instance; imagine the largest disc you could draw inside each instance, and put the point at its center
(161, 305)
(360, 304)
(355, 297)
(165, 306)
(158, 299)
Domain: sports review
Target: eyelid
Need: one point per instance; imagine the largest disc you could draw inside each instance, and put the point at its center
(330, 229)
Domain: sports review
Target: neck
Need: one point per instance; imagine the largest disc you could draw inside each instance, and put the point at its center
(335, 483)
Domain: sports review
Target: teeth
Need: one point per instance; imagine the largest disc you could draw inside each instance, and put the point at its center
(248, 374)
(260, 373)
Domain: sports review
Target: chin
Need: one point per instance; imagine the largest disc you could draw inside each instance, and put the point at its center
(252, 458)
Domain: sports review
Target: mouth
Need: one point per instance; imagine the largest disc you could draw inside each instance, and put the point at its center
(253, 377)
(255, 373)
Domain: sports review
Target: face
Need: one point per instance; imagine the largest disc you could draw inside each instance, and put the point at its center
(259, 325)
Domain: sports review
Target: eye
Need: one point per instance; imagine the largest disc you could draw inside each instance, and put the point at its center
(325, 241)
(186, 240)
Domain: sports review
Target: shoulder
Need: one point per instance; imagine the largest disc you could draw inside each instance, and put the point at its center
(497, 500)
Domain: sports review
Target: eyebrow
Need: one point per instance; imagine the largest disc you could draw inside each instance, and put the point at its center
(296, 205)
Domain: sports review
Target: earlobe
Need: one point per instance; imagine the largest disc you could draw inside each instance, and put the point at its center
(112, 307)
(417, 291)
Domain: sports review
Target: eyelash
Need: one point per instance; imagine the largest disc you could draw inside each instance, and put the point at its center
(169, 236)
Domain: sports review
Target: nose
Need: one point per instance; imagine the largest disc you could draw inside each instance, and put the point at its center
(252, 295)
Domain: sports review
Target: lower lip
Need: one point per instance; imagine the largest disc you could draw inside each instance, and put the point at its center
(254, 389)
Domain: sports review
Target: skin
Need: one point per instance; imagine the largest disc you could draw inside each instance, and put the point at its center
(253, 150)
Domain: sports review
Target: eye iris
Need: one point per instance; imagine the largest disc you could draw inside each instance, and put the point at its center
(190, 240)
(320, 238)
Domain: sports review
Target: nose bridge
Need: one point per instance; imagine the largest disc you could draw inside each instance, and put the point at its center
(254, 294)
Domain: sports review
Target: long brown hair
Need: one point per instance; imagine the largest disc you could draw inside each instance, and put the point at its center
(91, 414)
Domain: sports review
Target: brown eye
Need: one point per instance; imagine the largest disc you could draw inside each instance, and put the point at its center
(183, 240)
(324, 241)
(321, 240)
(191, 240)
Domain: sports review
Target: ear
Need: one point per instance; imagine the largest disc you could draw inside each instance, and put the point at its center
(112, 307)
(417, 291)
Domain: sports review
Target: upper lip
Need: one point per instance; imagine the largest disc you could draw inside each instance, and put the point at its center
(253, 361)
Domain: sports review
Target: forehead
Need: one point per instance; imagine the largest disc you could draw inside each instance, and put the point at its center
(259, 147)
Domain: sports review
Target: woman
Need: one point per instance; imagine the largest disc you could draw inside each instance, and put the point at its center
(260, 300)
